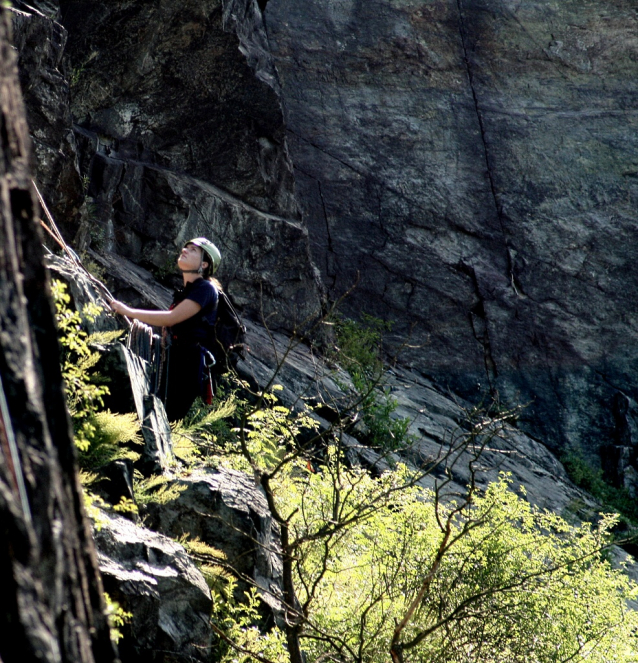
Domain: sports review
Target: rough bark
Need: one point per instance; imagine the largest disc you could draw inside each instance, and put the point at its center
(51, 605)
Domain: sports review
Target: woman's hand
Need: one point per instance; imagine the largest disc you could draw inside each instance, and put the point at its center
(121, 308)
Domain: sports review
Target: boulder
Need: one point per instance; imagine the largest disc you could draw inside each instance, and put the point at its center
(153, 578)
(226, 510)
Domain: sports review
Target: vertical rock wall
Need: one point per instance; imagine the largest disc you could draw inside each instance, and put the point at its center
(471, 164)
(40, 40)
(475, 164)
(181, 133)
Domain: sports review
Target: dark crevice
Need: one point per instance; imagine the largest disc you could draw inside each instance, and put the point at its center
(325, 217)
(499, 212)
(479, 323)
(330, 247)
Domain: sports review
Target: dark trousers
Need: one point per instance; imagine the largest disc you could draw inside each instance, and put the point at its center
(186, 379)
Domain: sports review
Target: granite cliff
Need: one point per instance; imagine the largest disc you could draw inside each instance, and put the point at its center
(472, 166)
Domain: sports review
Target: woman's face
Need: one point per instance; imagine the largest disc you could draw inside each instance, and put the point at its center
(190, 258)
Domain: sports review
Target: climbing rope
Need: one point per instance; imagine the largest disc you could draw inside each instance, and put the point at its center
(150, 347)
(142, 341)
(55, 233)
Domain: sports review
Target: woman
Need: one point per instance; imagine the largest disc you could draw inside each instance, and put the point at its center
(191, 318)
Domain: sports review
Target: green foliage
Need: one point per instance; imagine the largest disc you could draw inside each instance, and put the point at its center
(93, 267)
(205, 428)
(94, 507)
(158, 489)
(518, 584)
(591, 480)
(117, 618)
(240, 435)
(359, 347)
(213, 565)
(82, 394)
(492, 580)
(270, 432)
(111, 433)
(359, 353)
(100, 436)
(237, 621)
(126, 505)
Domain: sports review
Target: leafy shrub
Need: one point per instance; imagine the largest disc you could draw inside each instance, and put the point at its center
(359, 353)
(117, 617)
(237, 623)
(590, 479)
(100, 436)
(517, 585)
(157, 489)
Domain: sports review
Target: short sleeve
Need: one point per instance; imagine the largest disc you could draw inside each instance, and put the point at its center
(203, 293)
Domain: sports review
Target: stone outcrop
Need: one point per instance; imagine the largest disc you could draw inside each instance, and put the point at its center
(51, 604)
(181, 133)
(469, 165)
(226, 510)
(133, 380)
(40, 40)
(437, 424)
(154, 579)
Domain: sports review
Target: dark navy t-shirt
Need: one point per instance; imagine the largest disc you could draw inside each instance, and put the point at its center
(198, 328)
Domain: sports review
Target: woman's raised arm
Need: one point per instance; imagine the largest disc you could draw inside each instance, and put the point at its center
(184, 310)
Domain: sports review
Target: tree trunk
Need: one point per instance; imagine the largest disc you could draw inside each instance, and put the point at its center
(51, 603)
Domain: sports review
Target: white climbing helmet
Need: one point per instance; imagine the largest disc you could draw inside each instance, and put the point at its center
(214, 256)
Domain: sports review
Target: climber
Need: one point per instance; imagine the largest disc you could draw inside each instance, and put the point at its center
(191, 318)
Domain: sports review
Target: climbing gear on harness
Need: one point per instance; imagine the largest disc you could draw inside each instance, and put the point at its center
(209, 363)
(211, 251)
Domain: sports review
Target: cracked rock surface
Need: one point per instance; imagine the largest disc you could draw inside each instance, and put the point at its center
(153, 578)
(180, 134)
(472, 165)
(475, 164)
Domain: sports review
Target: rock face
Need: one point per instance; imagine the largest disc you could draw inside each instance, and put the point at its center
(181, 133)
(225, 510)
(153, 578)
(475, 163)
(51, 604)
(40, 40)
(471, 165)
(435, 420)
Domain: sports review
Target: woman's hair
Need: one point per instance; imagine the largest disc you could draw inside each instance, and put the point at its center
(207, 272)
